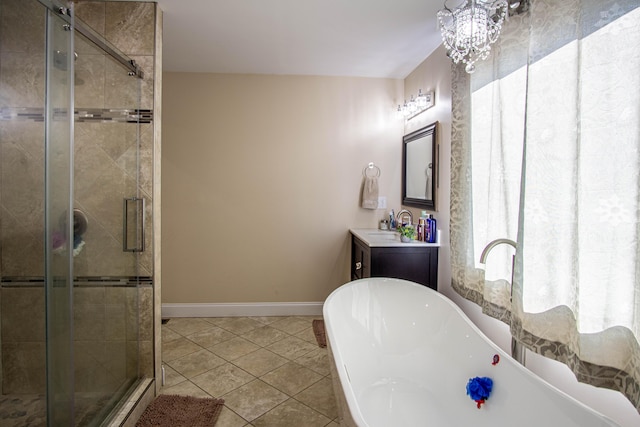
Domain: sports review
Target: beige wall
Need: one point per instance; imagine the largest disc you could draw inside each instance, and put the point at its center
(261, 180)
(434, 74)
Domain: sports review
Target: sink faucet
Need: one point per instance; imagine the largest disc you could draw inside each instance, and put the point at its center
(401, 215)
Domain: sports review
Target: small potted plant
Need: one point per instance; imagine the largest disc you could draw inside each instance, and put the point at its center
(407, 233)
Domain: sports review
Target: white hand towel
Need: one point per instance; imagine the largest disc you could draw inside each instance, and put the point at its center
(370, 193)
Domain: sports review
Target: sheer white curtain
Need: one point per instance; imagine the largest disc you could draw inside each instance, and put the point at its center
(545, 152)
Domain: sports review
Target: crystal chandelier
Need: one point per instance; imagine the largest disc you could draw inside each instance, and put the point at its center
(469, 30)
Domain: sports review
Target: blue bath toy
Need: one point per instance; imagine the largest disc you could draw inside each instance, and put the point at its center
(479, 389)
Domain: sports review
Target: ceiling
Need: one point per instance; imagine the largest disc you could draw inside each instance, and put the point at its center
(363, 38)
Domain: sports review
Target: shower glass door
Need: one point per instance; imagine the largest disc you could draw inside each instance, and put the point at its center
(108, 216)
(94, 214)
(58, 219)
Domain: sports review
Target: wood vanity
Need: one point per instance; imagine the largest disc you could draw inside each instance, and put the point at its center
(378, 253)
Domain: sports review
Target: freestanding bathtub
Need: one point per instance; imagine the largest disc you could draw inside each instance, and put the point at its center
(401, 355)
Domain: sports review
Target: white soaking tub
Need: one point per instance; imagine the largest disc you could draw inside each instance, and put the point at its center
(401, 355)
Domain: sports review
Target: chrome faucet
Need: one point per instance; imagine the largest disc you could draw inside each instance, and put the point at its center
(400, 217)
(493, 244)
(517, 349)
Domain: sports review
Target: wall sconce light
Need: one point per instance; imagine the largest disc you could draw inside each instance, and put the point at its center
(416, 105)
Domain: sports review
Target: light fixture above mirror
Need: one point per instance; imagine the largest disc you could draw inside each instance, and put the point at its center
(416, 105)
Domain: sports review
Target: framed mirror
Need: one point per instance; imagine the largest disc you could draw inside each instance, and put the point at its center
(420, 168)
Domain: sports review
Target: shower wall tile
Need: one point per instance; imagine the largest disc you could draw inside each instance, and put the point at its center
(89, 295)
(21, 204)
(22, 26)
(23, 254)
(23, 314)
(116, 322)
(141, 352)
(91, 161)
(121, 89)
(146, 63)
(146, 258)
(101, 257)
(146, 313)
(146, 359)
(89, 81)
(22, 185)
(132, 305)
(22, 79)
(25, 135)
(89, 322)
(115, 296)
(24, 368)
(92, 13)
(99, 366)
(146, 158)
(130, 27)
(104, 199)
(115, 363)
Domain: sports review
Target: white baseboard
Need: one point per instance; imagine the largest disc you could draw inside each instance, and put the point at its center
(242, 309)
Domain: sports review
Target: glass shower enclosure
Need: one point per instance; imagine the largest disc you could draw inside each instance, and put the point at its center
(71, 219)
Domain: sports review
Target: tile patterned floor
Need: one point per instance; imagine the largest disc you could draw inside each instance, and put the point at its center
(269, 370)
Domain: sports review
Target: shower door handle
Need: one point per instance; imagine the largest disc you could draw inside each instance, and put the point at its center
(138, 224)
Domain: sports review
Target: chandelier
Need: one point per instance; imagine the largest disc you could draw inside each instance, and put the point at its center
(469, 30)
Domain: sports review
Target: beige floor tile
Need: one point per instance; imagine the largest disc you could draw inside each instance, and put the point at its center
(228, 418)
(316, 360)
(291, 414)
(196, 363)
(171, 376)
(291, 347)
(320, 397)
(186, 388)
(291, 378)
(237, 325)
(307, 335)
(178, 348)
(211, 336)
(222, 379)
(187, 325)
(291, 325)
(253, 399)
(169, 334)
(267, 320)
(234, 348)
(260, 362)
(265, 335)
(333, 423)
(191, 370)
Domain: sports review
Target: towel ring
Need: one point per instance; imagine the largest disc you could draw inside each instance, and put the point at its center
(371, 166)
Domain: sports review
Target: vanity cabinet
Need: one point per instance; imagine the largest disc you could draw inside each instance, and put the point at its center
(410, 262)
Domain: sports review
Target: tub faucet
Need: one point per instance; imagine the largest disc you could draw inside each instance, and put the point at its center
(517, 349)
(401, 215)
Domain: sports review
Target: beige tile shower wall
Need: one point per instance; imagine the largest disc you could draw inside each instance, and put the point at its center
(130, 27)
(105, 152)
(22, 197)
(21, 149)
(106, 339)
(261, 181)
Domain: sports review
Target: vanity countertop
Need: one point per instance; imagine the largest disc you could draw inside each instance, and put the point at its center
(374, 237)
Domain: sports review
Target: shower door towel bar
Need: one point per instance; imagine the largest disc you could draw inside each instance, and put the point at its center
(139, 224)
